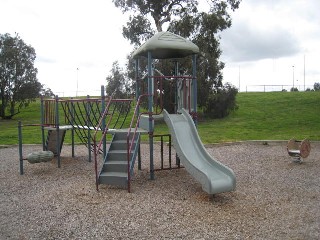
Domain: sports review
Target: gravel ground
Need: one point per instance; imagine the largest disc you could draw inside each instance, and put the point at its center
(274, 199)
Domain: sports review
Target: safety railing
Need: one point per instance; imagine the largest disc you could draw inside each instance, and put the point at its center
(130, 140)
(109, 111)
(96, 147)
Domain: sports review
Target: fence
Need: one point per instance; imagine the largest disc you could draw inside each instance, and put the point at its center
(249, 88)
(276, 88)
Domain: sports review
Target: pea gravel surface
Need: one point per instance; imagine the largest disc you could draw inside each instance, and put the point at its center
(275, 198)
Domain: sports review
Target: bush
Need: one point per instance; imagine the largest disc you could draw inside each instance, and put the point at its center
(316, 86)
(221, 102)
(294, 89)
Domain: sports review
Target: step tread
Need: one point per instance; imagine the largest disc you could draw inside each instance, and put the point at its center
(114, 174)
(113, 162)
(119, 151)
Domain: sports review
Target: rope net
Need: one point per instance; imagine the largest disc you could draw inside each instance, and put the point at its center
(84, 114)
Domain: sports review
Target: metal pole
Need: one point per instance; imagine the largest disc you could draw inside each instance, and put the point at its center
(57, 129)
(150, 105)
(161, 147)
(169, 150)
(292, 78)
(194, 80)
(20, 147)
(77, 81)
(42, 125)
(88, 125)
(103, 106)
(72, 123)
(304, 72)
(177, 94)
(239, 78)
(137, 76)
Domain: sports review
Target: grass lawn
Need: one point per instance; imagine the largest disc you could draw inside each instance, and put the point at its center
(261, 116)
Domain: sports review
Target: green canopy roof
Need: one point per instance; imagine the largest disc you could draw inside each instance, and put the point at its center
(166, 45)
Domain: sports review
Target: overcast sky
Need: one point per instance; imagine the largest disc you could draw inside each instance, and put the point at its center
(266, 40)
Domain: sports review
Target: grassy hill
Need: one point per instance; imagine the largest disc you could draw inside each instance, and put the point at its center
(268, 116)
(261, 116)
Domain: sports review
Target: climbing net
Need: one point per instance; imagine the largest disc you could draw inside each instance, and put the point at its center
(84, 114)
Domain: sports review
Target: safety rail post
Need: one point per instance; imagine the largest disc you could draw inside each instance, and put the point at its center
(20, 146)
(97, 147)
(194, 81)
(87, 106)
(150, 105)
(137, 78)
(72, 124)
(162, 150)
(103, 106)
(130, 143)
(42, 123)
(57, 129)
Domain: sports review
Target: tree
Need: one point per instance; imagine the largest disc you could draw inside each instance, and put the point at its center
(220, 104)
(46, 92)
(316, 86)
(18, 76)
(184, 18)
(117, 86)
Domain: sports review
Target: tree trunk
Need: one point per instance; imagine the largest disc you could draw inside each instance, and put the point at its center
(3, 104)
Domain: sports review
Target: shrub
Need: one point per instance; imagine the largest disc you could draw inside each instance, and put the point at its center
(316, 86)
(221, 102)
(294, 89)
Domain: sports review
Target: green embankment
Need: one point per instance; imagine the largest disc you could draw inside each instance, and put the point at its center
(261, 116)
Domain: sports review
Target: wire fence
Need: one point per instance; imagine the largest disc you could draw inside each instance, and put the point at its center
(249, 88)
(277, 88)
(91, 93)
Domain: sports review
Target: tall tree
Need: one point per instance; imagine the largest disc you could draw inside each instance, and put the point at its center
(184, 18)
(117, 86)
(18, 76)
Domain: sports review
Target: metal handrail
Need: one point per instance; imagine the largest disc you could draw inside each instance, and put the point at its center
(129, 148)
(96, 152)
(97, 147)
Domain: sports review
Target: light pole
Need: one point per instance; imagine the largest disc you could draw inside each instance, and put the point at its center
(77, 81)
(304, 72)
(293, 78)
(239, 78)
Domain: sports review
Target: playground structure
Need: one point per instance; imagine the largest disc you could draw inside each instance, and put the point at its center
(80, 116)
(102, 122)
(298, 149)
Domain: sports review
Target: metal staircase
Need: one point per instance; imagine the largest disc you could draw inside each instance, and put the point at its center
(115, 170)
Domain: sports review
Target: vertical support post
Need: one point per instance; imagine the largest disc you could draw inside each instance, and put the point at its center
(161, 150)
(139, 157)
(194, 83)
(170, 150)
(58, 130)
(103, 107)
(72, 124)
(150, 105)
(176, 94)
(20, 147)
(88, 125)
(137, 77)
(42, 124)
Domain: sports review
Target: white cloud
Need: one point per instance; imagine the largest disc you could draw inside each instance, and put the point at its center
(68, 35)
(267, 38)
